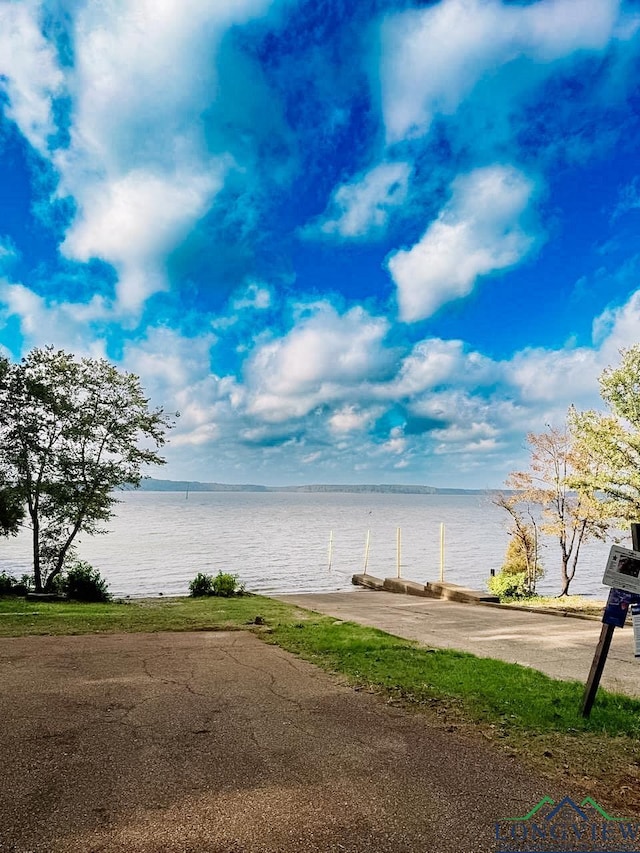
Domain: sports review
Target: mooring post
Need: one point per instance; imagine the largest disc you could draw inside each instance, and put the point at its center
(602, 649)
(366, 552)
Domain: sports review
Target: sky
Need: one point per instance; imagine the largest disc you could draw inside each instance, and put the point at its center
(348, 242)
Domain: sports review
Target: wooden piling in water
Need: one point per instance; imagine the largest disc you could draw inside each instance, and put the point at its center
(366, 552)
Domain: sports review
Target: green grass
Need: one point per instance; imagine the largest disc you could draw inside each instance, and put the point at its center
(21, 618)
(482, 689)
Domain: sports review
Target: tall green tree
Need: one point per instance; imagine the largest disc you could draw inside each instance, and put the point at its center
(612, 438)
(559, 482)
(71, 432)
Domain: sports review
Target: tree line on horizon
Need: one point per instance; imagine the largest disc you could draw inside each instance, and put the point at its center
(151, 484)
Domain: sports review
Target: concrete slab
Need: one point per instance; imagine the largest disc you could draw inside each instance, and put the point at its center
(219, 743)
(405, 587)
(560, 647)
(432, 589)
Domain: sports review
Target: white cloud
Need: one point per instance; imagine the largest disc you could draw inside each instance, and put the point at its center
(168, 359)
(322, 357)
(433, 58)
(547, 376)
(397, 443)
(142, 70)
(350, 419)
(333, 392)
(29, 72)
(362, 207)
(138, 166)
(62, 324)
(134, 220)
(481, 230)
(255, 295)
(435, 362)
(176, 374)
(332, 376)
(618, 327)
(175, 369)
(553, 379)
(466, 433)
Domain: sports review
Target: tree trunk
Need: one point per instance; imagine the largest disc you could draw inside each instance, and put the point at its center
(566, 579)
(37, 575)
(57, 569)
(48, 584)
(59, 566)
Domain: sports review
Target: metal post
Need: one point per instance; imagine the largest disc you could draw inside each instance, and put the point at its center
(366, 552)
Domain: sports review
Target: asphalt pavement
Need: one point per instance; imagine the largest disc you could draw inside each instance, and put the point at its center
(219, 743)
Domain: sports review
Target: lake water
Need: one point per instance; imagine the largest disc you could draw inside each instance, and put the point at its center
(279, 542)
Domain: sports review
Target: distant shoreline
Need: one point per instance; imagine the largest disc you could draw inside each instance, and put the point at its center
(153, 485)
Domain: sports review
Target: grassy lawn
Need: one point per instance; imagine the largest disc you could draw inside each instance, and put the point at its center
(520, 709)
(20, 618)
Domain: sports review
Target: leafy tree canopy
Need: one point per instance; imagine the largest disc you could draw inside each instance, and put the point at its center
(71, 432)
(558, 483)
(612, 439)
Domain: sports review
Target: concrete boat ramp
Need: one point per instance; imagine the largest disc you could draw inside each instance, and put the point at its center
(562, 647)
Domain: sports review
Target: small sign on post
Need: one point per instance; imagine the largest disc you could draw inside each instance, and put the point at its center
(622, 574)
(617, 607)
(623, 570)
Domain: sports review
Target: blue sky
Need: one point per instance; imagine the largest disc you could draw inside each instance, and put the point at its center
(348, 242)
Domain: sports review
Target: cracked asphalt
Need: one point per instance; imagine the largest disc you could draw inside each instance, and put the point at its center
(212, 742)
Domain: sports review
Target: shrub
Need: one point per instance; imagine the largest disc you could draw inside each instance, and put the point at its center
(84, 583)
(227, 585)
(7, 583)
(223, 584)
(509, 587)
(201, 585)
(523, 554)
(10, 586)
(24, 585)
(522, 568)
